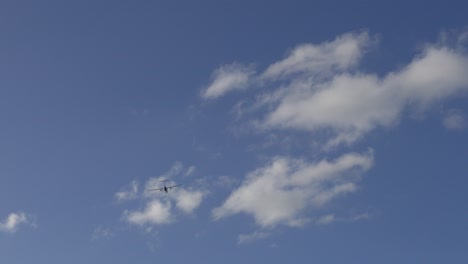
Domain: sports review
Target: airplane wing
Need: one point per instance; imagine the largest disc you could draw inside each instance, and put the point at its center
(170, 187)
(158, 189)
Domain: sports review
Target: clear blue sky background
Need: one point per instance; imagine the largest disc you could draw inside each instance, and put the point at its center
(95, 95)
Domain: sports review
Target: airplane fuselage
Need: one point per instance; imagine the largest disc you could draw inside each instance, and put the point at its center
(165, 188)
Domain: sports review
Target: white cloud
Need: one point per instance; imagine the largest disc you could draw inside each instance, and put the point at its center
(318, 88)
(160, 207)
(156, 212)
(282, 191)
(340, 54)
(351, 105)
(130, 192)
(455, 120)
(227, 78)
(188, 201)
(14, 220)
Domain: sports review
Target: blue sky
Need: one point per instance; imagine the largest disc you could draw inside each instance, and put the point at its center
(308, 131)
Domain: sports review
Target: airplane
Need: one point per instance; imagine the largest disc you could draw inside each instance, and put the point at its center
(165, 188)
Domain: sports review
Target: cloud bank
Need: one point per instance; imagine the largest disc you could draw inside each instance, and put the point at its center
(319, 88)
(322, 90)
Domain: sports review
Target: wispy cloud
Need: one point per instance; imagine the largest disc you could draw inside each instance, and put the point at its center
(161, 208)
(280, 192)
(190, 170)
(225, 181)
(249, 238)
(175, 170)
(14, 220)
(101, 232)
(323, 59)
(455, 120)
(362, 216)
(333, 218)
(228, 78)
(155, 212)
(326, 219)
(129, 192)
